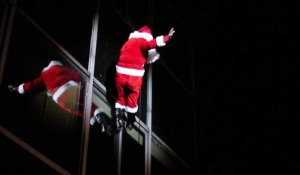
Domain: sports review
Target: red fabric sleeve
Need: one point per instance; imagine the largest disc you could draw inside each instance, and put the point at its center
(34, 85)
(166, 38)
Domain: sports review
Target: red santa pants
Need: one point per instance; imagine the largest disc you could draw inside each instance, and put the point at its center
(128, 91)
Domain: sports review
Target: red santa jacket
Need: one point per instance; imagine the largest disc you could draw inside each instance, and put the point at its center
(137, 51)
(55, 78)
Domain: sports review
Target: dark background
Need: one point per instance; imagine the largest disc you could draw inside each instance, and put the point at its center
(245, 55)
(247, 86)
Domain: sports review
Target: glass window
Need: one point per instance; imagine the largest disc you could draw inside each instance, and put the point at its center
(132, 156)
(14, 160)
(68, 22)
(34, 116)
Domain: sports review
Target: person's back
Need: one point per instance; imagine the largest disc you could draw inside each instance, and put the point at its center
(139, 49)
(132, 53)
(63, 84)
(57, 76)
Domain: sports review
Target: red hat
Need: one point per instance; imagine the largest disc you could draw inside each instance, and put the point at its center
(145, 29)
(144, 32)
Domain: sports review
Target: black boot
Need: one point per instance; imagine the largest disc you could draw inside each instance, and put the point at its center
(130, 120)
(98, 118)
(119, 118)
(103, 120)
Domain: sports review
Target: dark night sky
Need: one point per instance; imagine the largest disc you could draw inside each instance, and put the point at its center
(247, 86)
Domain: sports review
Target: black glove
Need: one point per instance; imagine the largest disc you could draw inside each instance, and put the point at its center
(12, 88)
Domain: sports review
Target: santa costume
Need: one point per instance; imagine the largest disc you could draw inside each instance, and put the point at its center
(138, 50)
(62, 84)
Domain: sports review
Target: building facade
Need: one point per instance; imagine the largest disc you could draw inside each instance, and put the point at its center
(38, 137)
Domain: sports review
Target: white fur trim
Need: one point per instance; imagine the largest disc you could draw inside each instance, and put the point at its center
(136, 34)
(131, 110)
(53, 63)
(63, 88)
(160, 41)
(129, 71)
(118, 105)
(21, 89)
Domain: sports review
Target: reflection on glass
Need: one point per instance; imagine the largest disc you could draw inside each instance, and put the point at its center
(70, 23)
(35, 114)
(49, 121)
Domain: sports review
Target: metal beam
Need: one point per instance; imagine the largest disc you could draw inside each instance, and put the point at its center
(7, 36)
(89, 94)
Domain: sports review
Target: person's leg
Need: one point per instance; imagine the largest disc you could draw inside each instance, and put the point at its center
(121, 80)
(120, 86)
(132, 100)
(103, 120)
(96, 115)
(69, 100)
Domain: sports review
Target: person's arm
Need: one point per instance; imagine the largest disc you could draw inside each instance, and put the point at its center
(160, 41)
(153, 55)
(33, 85)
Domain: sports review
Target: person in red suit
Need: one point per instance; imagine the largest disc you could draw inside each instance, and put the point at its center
(63, 85)
(138, 50)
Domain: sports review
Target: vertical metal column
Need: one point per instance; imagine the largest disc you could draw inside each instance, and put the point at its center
(148, 136)
(7, 35)
(118, 140)
(88, 95)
